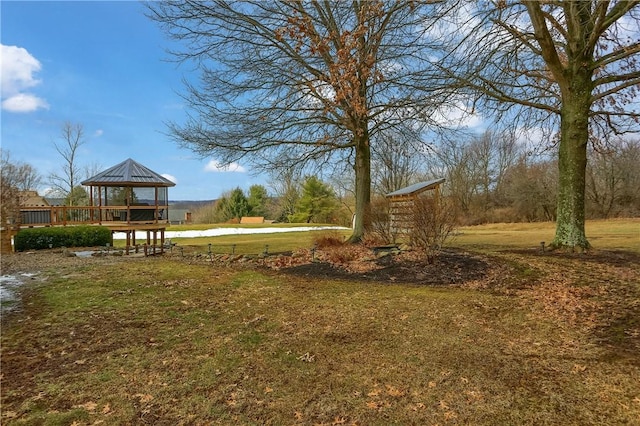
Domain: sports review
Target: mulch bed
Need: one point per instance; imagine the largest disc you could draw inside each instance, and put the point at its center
(450, 267)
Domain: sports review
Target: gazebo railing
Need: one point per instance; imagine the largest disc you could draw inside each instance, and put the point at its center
(78, 215)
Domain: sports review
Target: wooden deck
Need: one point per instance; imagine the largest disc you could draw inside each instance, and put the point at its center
(128, 219)
(93, 215)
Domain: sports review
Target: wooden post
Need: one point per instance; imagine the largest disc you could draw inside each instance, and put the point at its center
(155, 240)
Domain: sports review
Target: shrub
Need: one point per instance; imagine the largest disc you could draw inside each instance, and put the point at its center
(329, 239)
(342, 254)
(68, 236)
(433, 224)
(380, 229)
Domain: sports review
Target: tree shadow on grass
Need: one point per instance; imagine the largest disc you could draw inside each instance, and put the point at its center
(613, 276)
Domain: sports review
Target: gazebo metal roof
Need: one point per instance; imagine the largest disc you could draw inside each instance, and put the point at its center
(128, 173)
(416, 188)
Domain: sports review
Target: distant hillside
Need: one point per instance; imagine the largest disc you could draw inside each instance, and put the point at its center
(190, 204)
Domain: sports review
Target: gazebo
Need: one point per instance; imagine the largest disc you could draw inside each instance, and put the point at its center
(130, 197)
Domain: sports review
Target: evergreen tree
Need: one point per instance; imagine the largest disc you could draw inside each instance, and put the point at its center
(317, 202)
(77, 197)
(257, 200)
(221, 210)
(238, 205)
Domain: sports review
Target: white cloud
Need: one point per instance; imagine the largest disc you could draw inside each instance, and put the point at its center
(98, 133)
(172, 178)
(215, 166)
(457, 116)
(24, 102)
(18, 67)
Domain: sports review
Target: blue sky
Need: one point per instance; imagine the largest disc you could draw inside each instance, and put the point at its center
(102, 65)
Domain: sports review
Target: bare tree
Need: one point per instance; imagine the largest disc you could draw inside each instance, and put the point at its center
(72, 138)
(397, 160)
(613, 178)
(285, 184)
(287, 82)
(454, 160)
(475, 168)
(572, 60)
(530, 189)
(15, 178)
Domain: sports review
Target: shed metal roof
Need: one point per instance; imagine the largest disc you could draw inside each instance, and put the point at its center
(128, 173)
(416, 188)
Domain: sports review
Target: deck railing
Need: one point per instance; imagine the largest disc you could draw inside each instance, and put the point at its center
(78, 215)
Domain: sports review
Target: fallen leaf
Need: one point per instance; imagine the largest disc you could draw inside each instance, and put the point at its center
(393, 391)
(106, 409)
(89, 406)
(373, 405)
(450, 415)
(306, 357)
(578, 368)
(268, 389)
(144, 398)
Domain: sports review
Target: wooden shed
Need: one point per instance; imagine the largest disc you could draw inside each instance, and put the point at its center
(402, 202)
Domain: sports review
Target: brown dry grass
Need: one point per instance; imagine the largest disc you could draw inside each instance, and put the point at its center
(540, 339)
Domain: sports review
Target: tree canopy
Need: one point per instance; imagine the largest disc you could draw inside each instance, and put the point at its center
(283, 83)
(574, 63)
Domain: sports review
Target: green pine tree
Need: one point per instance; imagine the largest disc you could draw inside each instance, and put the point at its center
(317, 202)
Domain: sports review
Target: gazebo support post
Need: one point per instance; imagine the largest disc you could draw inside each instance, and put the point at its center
(154, 242)
(128, 232)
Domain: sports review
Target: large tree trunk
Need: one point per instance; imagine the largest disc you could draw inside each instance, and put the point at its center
(572, 163)
(363, 187)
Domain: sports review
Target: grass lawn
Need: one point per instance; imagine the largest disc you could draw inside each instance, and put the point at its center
(165, 341)
(621, 234)
(249, 243)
